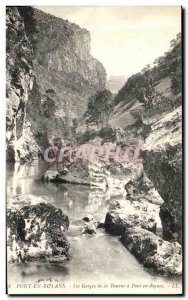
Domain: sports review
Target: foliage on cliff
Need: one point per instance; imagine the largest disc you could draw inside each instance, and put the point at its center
(50, 76)
(99, 108)
(140, 85)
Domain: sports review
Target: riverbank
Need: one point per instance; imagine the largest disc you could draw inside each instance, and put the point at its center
(98, 257)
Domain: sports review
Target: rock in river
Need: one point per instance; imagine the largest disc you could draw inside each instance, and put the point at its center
(153, 252)
(126, 214)
(91, 225)
(37, 232)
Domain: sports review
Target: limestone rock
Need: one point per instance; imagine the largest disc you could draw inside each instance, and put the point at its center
(162, 152)
(100, 173)
(124, 215)
(36, 232)
(143, 188)
(50, 76)
(65, 64)
(21, 144)
(90, 218)
(89, 229)
(154, 253)
(91, 224)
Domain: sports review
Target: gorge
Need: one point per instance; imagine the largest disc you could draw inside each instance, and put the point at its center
(63, 217)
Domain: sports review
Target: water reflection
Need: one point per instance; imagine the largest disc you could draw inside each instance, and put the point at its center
(20, 177)
(100, 257)
(75, 200)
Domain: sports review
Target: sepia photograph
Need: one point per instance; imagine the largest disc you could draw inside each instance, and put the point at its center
(94, 174)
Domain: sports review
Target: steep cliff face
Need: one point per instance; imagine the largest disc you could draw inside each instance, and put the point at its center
(63, 62)
(150, 102)
(50, 76)
(20, 76)
(162, 152)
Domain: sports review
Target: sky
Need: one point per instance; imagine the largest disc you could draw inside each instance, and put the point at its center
(124, 38)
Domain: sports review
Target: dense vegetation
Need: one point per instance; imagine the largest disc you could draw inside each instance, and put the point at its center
(99, 108)
(141, 85)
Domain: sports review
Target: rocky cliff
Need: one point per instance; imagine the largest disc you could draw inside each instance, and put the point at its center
(150, 102)
(50, 75)
(153, 91)
(162, 152)
(20, 78)
(63, 62)
(149, 108)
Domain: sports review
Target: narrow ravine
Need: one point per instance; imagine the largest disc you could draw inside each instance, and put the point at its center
(96, 258)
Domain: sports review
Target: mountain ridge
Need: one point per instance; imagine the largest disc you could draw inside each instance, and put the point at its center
(54, 57)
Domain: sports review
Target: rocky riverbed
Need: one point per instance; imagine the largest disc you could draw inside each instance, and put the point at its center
(98, 217)
(45, 227)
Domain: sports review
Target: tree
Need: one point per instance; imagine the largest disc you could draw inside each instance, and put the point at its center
(74, 126)
(175, 67)
(99, 108)
(49, 103)
(146, 69)
(175, 42)
(159, 61)
(140, 86)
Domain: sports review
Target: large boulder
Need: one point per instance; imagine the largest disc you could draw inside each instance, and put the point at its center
(126, 214)
(139, 208)
(76, 173)
(99, 172)
(153, 252)
(143, 188)
(36, 232)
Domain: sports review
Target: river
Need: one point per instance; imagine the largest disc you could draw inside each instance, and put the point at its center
(96, 258)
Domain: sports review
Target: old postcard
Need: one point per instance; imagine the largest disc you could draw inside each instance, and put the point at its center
(94, 150)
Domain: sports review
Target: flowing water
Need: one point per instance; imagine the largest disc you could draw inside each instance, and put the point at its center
(96, 258)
